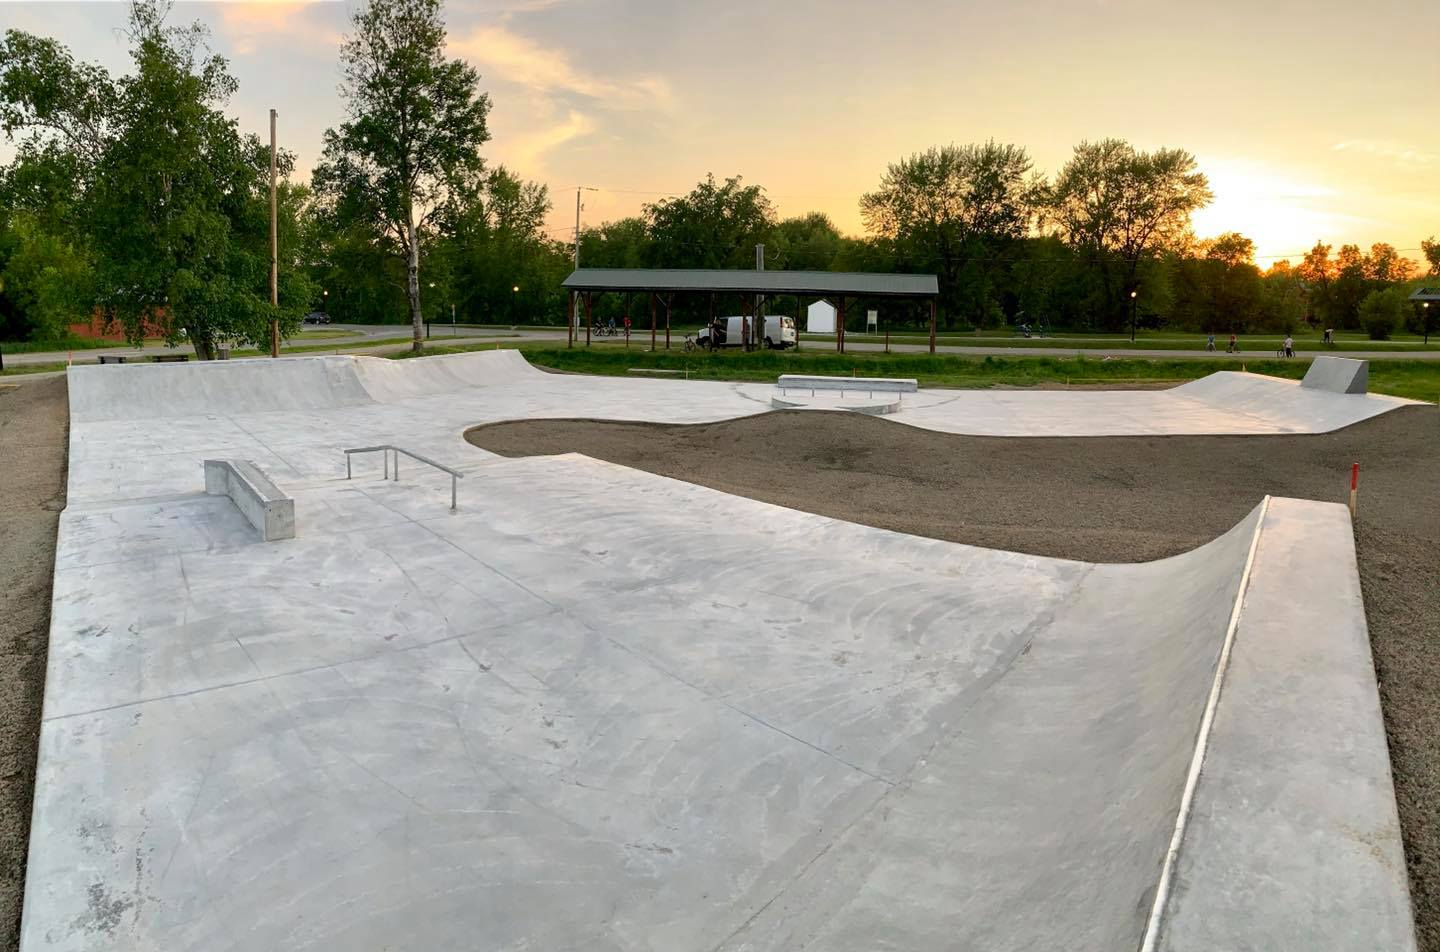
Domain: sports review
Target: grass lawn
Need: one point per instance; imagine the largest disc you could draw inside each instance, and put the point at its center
(71, 343)
(15, 370)
(1257, 344)
(1416, 379)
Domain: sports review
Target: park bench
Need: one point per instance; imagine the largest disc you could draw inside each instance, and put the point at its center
(170, 358)
(261, 501)
(112, 358)
(869, 385)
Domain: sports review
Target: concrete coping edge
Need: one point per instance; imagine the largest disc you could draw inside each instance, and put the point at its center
(1202, 743)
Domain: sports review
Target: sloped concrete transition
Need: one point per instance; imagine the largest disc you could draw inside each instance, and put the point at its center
(601, 709)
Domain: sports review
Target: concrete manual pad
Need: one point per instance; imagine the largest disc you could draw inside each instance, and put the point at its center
(601, 709)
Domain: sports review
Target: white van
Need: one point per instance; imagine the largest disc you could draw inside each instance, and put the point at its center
(779, 332)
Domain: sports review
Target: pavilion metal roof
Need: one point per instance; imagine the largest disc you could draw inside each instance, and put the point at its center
(818, 283)
(1426, 294)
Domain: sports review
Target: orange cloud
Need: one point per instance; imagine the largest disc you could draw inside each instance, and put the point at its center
(517, 59)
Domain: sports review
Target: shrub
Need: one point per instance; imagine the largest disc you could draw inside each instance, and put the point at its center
(1380, 312)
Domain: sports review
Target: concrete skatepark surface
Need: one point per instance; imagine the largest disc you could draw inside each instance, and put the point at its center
(557, 719)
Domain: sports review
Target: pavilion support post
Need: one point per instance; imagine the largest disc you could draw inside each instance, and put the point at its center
(570, 322)
(589, 316)
(668, 302)
(840, 326)
(627, 320)
(652, 320)
(932, 325)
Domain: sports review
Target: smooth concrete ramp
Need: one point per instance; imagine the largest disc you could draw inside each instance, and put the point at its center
(601, 709)
(503, 385)
(1337, 375)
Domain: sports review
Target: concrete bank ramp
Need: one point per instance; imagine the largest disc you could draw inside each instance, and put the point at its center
(390, 381)
(564, 720)
(225, 388)
(262, 385)
(1337, 375)
(502, 385)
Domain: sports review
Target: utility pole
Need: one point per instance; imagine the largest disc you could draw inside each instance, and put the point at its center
(274, 250)
(578, 189)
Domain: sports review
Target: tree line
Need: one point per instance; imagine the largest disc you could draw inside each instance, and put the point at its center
(137, 200)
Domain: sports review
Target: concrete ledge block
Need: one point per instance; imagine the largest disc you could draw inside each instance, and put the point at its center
(871, 384)
(269, 510)
(1338, 375)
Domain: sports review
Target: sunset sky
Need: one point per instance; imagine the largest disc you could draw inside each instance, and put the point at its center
(1313, 119)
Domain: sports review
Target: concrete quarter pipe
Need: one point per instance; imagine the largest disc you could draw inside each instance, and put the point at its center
(559, 719)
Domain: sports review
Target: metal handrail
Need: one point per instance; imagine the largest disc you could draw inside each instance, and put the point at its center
(388, 448)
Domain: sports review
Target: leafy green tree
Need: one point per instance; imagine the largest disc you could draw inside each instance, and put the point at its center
(1283, 306)
(1231, 249)
(1119, 205)
(1381, 311)
(1317, 275)
(408, 154)
(46, 281)
(714, 226)
(1430, 248)
(955, 210)
(1385, 265)
(616, 244)
(805, 243)
(1351, 285)
(173, 198)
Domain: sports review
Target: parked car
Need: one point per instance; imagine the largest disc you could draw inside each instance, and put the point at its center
(779, 332)
(317, 317)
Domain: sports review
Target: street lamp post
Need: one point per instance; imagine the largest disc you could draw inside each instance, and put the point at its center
(1425, 321)
(1132, 316)
(514, 294)
(427, 320)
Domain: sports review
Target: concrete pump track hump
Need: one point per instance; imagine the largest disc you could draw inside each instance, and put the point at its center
(599, 709)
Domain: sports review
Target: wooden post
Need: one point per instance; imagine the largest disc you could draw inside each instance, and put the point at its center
(627, 320)
(667, 321)
(652, 320)
(932, 325)
(589, 317)
(569, 322)
(840, 326)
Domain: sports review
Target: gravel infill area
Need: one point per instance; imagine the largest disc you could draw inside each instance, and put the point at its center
(34, 421)
(1103, 500)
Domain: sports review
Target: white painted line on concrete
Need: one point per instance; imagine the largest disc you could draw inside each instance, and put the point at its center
(1202, 741)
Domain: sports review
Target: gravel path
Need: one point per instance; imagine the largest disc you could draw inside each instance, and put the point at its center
(34, 419)
(1103, 500)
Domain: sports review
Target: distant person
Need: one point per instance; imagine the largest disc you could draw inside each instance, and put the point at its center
(1210, 342)
(627, 325)
(1289, 346)
(1234, 346)
(1329, 337)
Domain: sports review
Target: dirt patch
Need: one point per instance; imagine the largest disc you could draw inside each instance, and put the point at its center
(1103, 500)
(34, 422)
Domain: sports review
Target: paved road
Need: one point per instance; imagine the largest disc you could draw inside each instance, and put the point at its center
(361, 338)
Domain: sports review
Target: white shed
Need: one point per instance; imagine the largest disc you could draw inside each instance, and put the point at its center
(820, 318)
